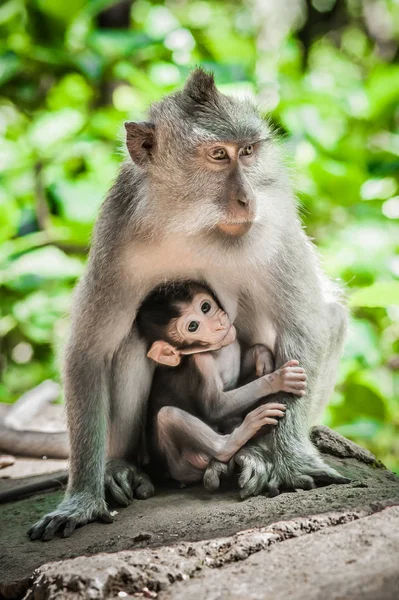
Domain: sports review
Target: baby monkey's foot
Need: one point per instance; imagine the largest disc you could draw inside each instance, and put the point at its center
(215, 472)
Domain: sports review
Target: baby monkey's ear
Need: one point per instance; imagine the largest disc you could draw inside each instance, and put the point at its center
(164, 354)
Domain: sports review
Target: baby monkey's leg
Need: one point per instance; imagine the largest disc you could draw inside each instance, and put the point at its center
(189, 444)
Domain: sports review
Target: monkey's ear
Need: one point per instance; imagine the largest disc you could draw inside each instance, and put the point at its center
(140, 141)
(201, 87)
(164, 354)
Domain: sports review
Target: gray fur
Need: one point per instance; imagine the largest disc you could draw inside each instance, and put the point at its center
(159, 222)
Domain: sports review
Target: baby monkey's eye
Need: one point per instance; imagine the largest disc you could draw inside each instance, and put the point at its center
(247, 150)
(218, 154)
(205, 307)
(193, 326)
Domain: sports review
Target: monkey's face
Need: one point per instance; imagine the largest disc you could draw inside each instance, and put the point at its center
(226, 167)
(210, 163)
(203, 324)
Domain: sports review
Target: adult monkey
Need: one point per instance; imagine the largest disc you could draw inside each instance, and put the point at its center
(205, 197)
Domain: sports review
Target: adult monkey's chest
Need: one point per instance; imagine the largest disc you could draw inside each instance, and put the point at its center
(240, 286)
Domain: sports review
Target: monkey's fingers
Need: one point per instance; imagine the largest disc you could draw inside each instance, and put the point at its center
(268, 421)
(145, 489)
(122, 479)
(37, 530)
(258, 418)
(294, 390)
(140, 483)
(294, 387)
(253, 477)
(106, 517)
(248, 480)
(295, 375)
(117, 493)
(274, 413)
(305, 483)
(290, 363)
(328, 476)
(275, 405)
(268, 406)
(297, 392)
(69, 528)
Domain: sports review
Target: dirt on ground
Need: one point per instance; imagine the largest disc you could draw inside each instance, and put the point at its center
(157, 542)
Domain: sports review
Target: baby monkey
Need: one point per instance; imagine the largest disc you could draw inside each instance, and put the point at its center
(196, 411)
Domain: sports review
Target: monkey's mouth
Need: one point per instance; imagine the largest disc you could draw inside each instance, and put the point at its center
(235, 228)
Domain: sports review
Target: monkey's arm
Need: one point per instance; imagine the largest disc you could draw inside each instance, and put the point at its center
(104, 312)
(290, 378)
(286, 458)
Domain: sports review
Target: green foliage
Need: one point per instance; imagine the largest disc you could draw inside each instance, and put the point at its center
(68, 80)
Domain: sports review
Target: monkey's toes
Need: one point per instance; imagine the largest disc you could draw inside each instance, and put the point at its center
(211, 480)
(328, 476)
(46, 529)
(144, 490)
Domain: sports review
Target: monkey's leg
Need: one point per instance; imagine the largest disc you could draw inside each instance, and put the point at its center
(179, 432)
(286, 458)
(124, 480)
(103, 315)
(84, 500)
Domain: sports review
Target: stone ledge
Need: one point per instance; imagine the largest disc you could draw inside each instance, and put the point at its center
(193, 515)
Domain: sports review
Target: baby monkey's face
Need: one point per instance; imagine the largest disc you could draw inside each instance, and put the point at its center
(202, 322)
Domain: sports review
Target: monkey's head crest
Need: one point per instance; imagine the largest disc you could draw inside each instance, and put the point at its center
(200, 86)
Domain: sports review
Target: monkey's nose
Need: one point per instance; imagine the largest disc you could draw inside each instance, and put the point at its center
(242, 201)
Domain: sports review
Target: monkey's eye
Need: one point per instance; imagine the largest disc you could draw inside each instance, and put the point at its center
(205, 307)
(247, 150)
(193, 326)
(218, 154)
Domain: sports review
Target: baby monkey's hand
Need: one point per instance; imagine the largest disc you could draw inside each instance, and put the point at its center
(266, 414)
(288, 378)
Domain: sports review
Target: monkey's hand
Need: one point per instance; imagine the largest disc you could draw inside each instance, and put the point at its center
(289, 378)
(75, 511)
(124, 481)
(297, 467)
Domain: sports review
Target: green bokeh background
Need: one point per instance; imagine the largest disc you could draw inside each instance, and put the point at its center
(327, 75)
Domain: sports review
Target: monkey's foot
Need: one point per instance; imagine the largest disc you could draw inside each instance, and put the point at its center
(79, 509)
(261, 474)
(215, 472)
(124, 481)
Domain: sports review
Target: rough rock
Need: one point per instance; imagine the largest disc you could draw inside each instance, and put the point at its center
(356, 561)
(163, 531)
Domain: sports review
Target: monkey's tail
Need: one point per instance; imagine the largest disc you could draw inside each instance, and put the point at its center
(15, 439)
(36, 444)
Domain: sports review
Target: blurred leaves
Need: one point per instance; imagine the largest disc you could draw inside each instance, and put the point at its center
(379, 294)
(68, 80)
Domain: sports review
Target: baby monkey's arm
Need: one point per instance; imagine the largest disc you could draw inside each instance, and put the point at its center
(289, 378)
